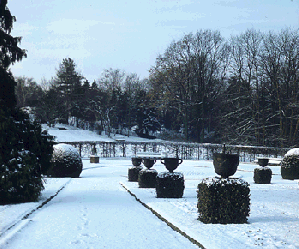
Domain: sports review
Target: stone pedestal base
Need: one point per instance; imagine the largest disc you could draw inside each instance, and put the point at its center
(94, 159)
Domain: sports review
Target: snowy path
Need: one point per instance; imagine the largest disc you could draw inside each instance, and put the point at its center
(95, 211)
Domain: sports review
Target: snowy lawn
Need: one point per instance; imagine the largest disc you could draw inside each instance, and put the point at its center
(83, 210)
(10, 215)
(273, 221)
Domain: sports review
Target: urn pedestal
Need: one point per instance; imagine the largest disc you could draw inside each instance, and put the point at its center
(170, 185)
(94, 159)
(147, 178)
(133, 173)
(223, 200)
(262, 174)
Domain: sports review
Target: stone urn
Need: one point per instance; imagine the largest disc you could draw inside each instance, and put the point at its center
(136, 161)
(225, 164)
(171, 163)
(263, 161)
(148, 162)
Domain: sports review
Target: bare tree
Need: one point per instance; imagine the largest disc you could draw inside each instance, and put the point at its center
(188, 78)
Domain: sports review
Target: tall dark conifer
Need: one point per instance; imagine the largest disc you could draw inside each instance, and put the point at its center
(9, 54)
(23, 149)
(69, 85)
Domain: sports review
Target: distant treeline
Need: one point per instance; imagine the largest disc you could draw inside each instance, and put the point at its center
(203, 88)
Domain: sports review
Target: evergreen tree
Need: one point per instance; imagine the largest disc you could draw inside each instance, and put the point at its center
(69, 84)
(9, 54)
(22, 148)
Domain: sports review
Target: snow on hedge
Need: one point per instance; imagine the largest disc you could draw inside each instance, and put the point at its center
(66, 150)
(294, 151)
(175, 175)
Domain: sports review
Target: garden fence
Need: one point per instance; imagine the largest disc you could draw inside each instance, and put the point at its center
(191, 151)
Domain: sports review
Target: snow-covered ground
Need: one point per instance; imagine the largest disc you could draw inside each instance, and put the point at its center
(98, 211)
(73, 134)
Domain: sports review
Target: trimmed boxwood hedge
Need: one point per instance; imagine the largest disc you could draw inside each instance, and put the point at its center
(262, 175)
(133, 173)
(170, 185)
(290, 167)
(223, 200)
(66, 161)
(147, 178)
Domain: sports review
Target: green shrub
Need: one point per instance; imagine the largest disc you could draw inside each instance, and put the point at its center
(170, 185)
(45, 152)
(290, 167)
(223, 200)
(262, 175)
(66, 161)
(147, 178)
(21, 149)
(133, 173)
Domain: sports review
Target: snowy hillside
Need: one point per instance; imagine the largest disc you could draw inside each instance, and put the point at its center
(67, 133)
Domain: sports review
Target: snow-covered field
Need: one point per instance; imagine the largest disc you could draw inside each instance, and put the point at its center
(73, 134)
(97, 211)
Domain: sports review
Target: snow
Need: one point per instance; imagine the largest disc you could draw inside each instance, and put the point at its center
(72, 134)
(175, 175)
(101, 209)
(65, 150)
(294, 151)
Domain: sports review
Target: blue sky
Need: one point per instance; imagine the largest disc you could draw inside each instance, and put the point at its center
(129, 35)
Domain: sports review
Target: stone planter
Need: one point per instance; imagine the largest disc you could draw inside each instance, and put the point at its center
(94, 159)
(148, 163)
(147, 178)
(225, 164)
(170, 185)
(171, 163)
(133, 173)
(136, 161)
